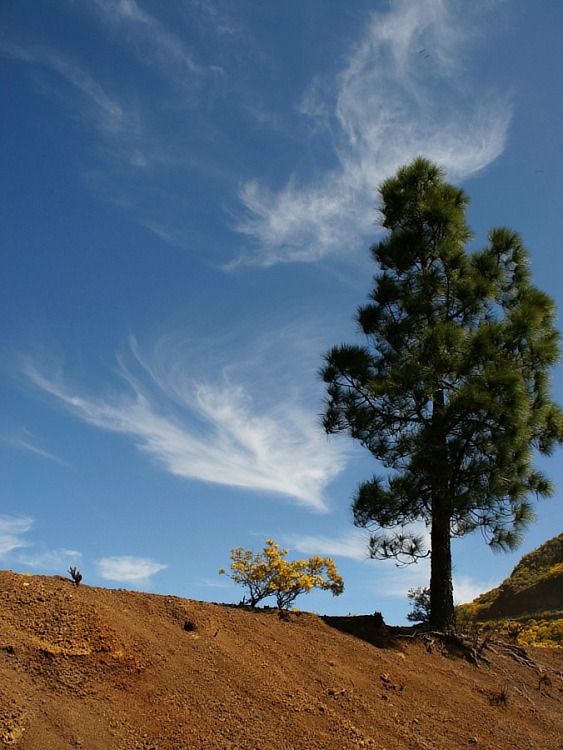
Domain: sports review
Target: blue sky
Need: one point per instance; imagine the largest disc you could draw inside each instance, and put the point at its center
(188, 201)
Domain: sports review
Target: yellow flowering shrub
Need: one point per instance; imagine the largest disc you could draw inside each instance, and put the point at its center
(268, 573)
(544, 630)
(542, 633)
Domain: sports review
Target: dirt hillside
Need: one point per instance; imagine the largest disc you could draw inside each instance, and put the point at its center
(102, 669)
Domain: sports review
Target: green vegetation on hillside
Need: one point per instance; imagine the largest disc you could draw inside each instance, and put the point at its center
(528, 606)
(543, 563)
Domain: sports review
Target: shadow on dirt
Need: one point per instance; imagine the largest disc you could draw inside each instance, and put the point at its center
(370, 628)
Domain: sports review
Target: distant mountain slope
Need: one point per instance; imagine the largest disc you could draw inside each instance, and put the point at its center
(534, 586)
(528, 606)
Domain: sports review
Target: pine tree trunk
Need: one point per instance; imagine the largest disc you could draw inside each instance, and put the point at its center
(442, 613)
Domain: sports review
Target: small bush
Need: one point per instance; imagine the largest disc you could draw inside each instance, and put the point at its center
(420, 603)
(75, 574)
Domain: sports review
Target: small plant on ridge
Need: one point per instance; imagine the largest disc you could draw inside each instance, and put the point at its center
(75, 574)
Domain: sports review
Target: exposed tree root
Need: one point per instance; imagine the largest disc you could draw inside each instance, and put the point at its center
(471, 648)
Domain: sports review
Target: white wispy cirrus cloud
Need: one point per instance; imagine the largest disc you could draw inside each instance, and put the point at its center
(402, 91)
(128, 568)
(210, 431)
(136, 156)
(23, 440)
(353, 546)
(52, 561)
(117, 122)
(400, 94)
(152, 41)
(12, 531)
(105, 112)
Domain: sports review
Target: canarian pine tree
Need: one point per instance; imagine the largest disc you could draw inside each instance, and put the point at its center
(451, 390)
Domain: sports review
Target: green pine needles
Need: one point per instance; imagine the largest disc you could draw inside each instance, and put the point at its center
(451, 391)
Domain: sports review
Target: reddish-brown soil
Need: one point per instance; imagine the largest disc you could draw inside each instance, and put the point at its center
(101, 669)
